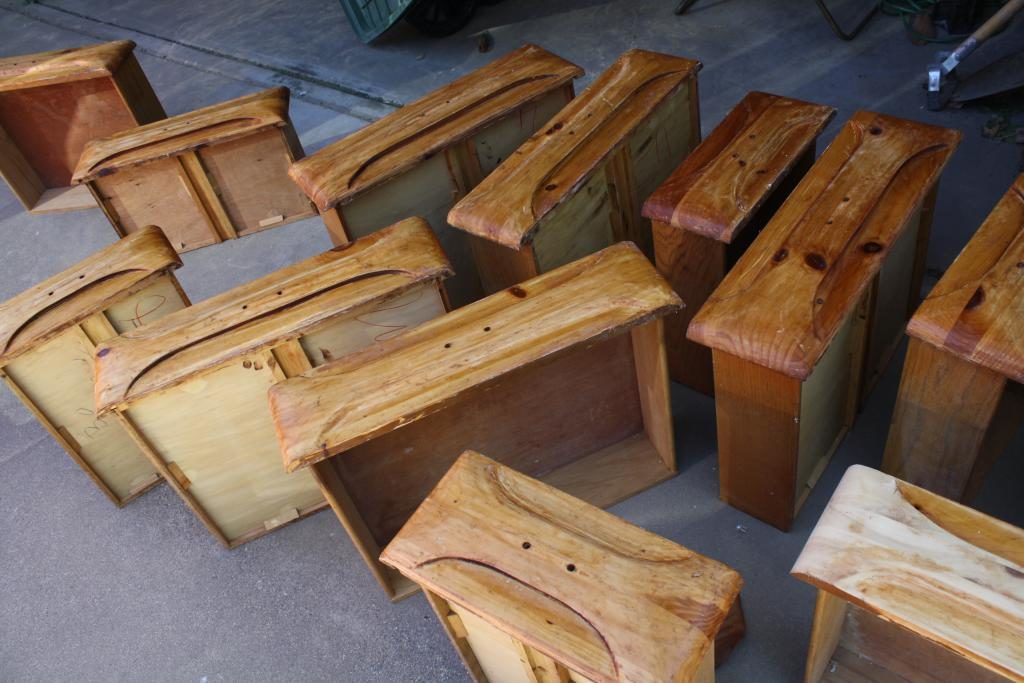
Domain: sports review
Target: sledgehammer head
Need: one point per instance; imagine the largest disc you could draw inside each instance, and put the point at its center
(940, 83)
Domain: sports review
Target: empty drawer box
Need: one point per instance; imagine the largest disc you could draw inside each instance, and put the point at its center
(206, 176)
(421, 159)
(47, 338)
(562, 378)
(192, 390)
(53, 103)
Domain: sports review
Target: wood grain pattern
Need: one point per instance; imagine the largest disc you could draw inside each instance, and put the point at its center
(211, 125)
(49, 336)
(349, 402)
(976, 311)
(790, 293)
(507, 206)
(757, 414)
(411, 460)
(713, 206)
(44, 311)
(53, 123)
(395, 143)
(872, 649)
(721, 184)
(592, 592)
(63, 66)
(694, 266)
(248, 177)
(192, 392)
(53, 103)
(271, 310)
(598, 595)
(941, 570)
(209, 175)
(943, 413)
(164, 190)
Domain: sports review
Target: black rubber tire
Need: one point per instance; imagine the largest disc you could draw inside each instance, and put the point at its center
(440, 17)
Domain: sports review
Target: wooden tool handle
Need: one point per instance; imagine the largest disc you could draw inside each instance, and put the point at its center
(996, 21)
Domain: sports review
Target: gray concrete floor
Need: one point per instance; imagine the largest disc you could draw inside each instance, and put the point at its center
(88, 592)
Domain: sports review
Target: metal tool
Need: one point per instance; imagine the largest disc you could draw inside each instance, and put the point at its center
(941, 76)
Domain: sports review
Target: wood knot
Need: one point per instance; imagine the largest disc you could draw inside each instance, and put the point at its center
(550, 186)
(875, 130)
(780, 255)
(552, 129)
(976, 299)
(1020, 264)
(518, 291)
(104, 351)
(871, 247)
(816, 261)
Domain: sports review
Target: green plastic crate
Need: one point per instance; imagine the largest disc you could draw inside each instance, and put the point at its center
(370, 18)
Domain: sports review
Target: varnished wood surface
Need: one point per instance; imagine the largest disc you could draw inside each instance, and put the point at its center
(942, 570)
(945, 411)
(63, 66)
(976, 311)
(792, 290)
(721, 184)
(193, 130)
(595, 593)
(507, 205)
(266, 312)
(453, 113)
(44, 311)
(404, 379)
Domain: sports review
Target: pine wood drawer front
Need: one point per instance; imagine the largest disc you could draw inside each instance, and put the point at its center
(192, 390)
(421, 159)
(576, 186)
(532, 584)
(47, 338)
(806, 321)
(912, 586)
(961, 399)
(562, 377)
(711, 208)
(52, 104)
(209, 175)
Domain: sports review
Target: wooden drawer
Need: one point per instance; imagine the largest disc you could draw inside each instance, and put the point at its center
(808, 318)
(532, 584)
(53, 103)
(421, 159)
(210, 175)
(577, 185)
(715, 204)
(912, 587)
(192, 390)
(47, 338)
(961, 399)
(562, 377)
